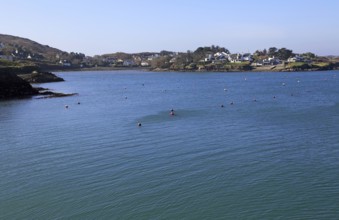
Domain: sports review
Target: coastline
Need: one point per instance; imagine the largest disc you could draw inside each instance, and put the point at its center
(26, 79)
(255, 70)
(16, 83)
(149, 69)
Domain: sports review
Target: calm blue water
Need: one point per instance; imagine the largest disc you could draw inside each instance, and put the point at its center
(273, 158)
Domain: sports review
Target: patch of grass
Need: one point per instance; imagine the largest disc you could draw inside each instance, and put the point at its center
(298, 65)
(321, 64)
(238, 66)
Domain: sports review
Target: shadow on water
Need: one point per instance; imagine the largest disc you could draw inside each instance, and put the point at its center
(165, 116)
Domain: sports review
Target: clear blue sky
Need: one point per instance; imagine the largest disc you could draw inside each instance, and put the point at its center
(104, 26)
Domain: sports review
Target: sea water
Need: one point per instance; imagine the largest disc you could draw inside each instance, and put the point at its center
(239, 146)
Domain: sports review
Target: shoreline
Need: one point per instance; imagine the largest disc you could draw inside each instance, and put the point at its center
(143, 69)
(17, 87)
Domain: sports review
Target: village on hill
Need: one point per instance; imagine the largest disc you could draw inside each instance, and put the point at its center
(20, 51)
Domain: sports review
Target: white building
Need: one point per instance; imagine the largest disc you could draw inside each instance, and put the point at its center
(65, 63)
(296, 58)
(144, 64)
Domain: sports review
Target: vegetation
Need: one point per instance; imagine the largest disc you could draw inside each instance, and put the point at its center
(201, 52)
(28, 51)
(244, 66)
(324, 65)
(19, 52)
(282, 53)
(298, 66)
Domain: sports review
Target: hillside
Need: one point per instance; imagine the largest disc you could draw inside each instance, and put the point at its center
(18, 52)
(24, 48)
(28, 44)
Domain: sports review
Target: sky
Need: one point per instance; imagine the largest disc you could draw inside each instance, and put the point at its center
(108, 26)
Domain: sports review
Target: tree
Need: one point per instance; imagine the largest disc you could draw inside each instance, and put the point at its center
(161, 62)
(309, 55)
(284, 54)
(264, 52)
(182, 60)
(189, 57)
(260, 53)
(211, 49)
(165, 53)
(272, 51)
(199, 54)
(202, 52)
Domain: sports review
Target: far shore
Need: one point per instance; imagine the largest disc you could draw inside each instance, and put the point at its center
(277, 68)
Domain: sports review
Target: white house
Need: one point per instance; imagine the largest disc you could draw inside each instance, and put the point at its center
(144, 64)
(222, 56)
(235, 58)
(173, 60)
(65, 63)
(247, 57)
(270, 61)
(150, 58)
(296, 58)
(209, 58)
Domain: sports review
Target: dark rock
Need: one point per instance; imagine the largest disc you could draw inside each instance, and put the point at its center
(46, 93)
(12, 86)
(49, 94)
(41, 77)
(41, 89)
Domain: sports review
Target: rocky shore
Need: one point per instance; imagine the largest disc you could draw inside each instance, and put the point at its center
(40, 77)
(15, 83)
(12, 86)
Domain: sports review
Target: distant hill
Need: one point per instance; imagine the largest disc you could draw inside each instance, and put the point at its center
(22, 52)
(23, 48)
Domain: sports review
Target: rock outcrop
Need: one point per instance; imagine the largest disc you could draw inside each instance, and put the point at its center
(12, 86)
(41, 77)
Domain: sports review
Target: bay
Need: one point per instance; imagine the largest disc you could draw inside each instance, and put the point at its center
(270, 152)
